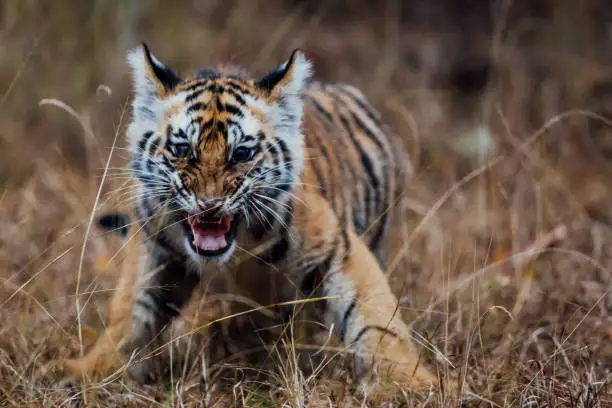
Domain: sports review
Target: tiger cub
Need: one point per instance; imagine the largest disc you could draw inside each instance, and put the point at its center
(282, 185)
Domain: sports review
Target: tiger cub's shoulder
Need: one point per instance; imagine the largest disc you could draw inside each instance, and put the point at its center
(340, 100)
(335, 93)
(346, 111)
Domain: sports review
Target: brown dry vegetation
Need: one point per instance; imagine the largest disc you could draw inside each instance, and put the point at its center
(534, 333)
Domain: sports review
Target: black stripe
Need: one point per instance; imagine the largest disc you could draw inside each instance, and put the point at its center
(279, 188)
(321, 109)
(365, 106)
(359, 215)
(368, 206)
(168, 133)
(195, 120)
(196, 107)
(207, 125)
(327, 188)
(196, 91)
(238, 87)
(384, 181)
(365, 160)
(347, 244)
(368, 132)
(289, 214)
(347, 315)
(359, 122)
(283, 184)
(143, 141)
(271, 148)
(194, 87)
(221, 128)
(194, 95)
(205, 85)
(287, 164)
(152, 148)
(242, 184)
(233, 110)
(350, 195)
(373, 327)
(239, 98)
(382, 224)
(278, 251)
(232, 122)
(179, 134)
(320, 178)
(244, 138)
(373, 138)
(367, 165)
(166, 162)
(219, 105)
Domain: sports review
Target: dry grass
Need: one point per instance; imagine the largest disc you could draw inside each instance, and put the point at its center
(526, 330)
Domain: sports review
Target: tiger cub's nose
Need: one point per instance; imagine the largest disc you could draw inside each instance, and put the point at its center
(209, 205)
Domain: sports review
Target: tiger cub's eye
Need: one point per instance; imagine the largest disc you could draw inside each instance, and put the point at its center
(181, 150)
(242, 154)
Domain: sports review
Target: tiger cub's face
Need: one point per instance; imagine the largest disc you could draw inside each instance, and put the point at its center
(215, 151)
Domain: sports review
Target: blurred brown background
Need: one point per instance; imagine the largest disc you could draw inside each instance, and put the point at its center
(477, 89)
(411, 53)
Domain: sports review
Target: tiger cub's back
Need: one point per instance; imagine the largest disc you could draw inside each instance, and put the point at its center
(354, 156)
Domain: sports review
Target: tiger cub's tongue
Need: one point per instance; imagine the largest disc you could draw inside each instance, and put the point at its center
(210, 242)
(209, 235)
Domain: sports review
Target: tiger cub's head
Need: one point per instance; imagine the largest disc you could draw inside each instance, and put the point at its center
(216, 150)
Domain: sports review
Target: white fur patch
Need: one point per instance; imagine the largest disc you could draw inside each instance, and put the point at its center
(342, 291)
(249, 124)
(288, 110)
(300, 73)
(285, 115)
(146, 106)
(145, 88)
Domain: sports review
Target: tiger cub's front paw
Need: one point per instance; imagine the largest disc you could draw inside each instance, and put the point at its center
(405, 371)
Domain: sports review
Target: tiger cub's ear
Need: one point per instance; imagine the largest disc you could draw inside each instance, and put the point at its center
(285, 87)
(289, 78)
(152, 81)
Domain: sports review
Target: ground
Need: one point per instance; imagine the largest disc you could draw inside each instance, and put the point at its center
(507, 266)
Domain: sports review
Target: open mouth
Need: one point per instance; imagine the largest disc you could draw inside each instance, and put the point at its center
(210, 235)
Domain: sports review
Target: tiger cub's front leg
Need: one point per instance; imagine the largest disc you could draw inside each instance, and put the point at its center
(164, 288)
(368, 319)
(360, 303)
